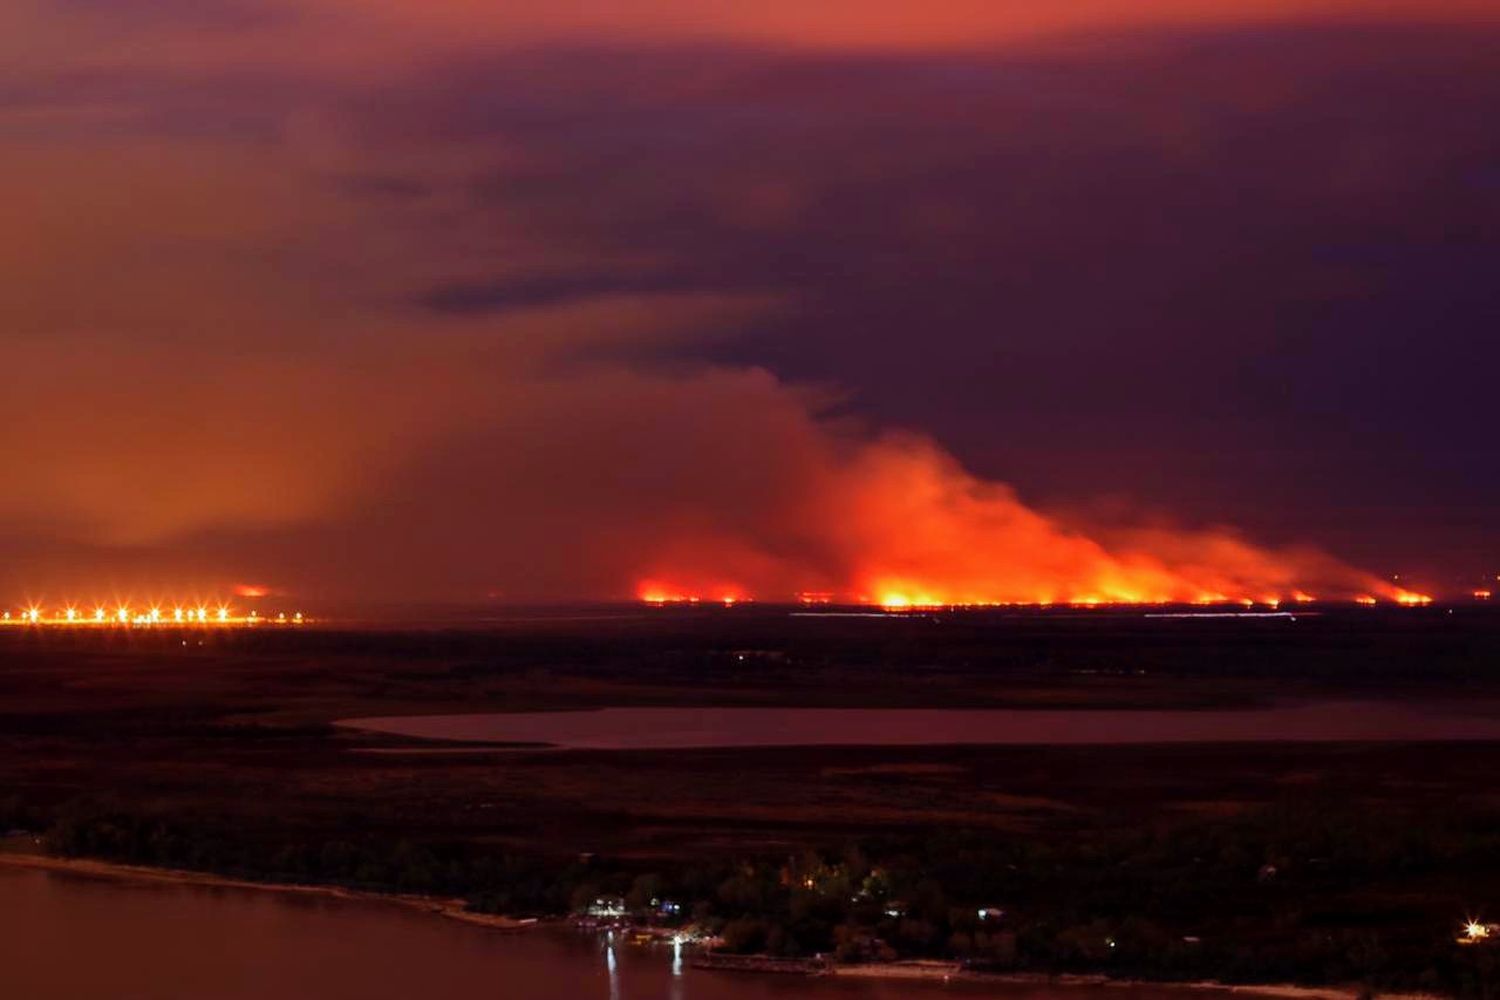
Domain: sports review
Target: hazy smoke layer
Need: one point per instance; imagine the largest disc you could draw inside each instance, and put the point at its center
(564, 304)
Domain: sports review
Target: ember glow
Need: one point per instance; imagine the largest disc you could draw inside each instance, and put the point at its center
(904, 527)
(660, 594)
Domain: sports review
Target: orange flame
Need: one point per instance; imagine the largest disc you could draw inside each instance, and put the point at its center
(901, 526)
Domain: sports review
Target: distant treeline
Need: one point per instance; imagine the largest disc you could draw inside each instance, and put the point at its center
(1364, 646)
(1278, 895)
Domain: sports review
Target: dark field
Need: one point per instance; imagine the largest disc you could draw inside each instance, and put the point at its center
(214, 749)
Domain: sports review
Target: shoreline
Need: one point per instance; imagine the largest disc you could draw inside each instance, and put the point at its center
(940, 971)
(452, 909)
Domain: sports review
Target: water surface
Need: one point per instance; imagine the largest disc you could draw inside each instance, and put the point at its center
(681, 728)
(67, 937)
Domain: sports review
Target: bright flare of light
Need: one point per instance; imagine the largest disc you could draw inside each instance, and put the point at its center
(900, 600)
(658, 595)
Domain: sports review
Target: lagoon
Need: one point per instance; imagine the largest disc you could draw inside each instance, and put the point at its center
(708, 727)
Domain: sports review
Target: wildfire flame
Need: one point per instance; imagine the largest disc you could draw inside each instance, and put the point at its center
(902, 526)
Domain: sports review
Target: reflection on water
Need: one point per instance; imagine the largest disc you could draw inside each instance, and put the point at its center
(613, 965)
(66, 938)
(675, 728)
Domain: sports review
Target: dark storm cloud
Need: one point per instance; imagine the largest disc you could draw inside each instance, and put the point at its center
(1271, 250)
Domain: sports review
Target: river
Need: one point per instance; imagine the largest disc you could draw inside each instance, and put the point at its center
(70, 937)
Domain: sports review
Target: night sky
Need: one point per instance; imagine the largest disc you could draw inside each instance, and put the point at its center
(401, 299)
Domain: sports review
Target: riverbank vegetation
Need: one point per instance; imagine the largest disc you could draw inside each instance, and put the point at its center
(1316, 864)
(1303, 894)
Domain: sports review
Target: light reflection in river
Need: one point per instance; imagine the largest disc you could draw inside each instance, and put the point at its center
(612, 965)
(173, 942)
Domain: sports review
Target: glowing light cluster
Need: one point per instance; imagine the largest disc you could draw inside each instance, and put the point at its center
(125, 614)
(659, 595)
(1476, 932)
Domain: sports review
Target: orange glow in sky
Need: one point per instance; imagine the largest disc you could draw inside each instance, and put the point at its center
(843, 24)
(904, 526)
(361, 331)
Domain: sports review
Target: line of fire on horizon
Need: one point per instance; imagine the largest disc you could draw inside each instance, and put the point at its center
(128, 615)
(902, 600)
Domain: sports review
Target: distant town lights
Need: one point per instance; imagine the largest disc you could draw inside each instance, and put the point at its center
(1476, 932)
(130, 615)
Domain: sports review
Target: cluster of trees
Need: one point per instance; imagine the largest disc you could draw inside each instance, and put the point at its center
(491, 882)
(15, 815)
(1280, 895)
